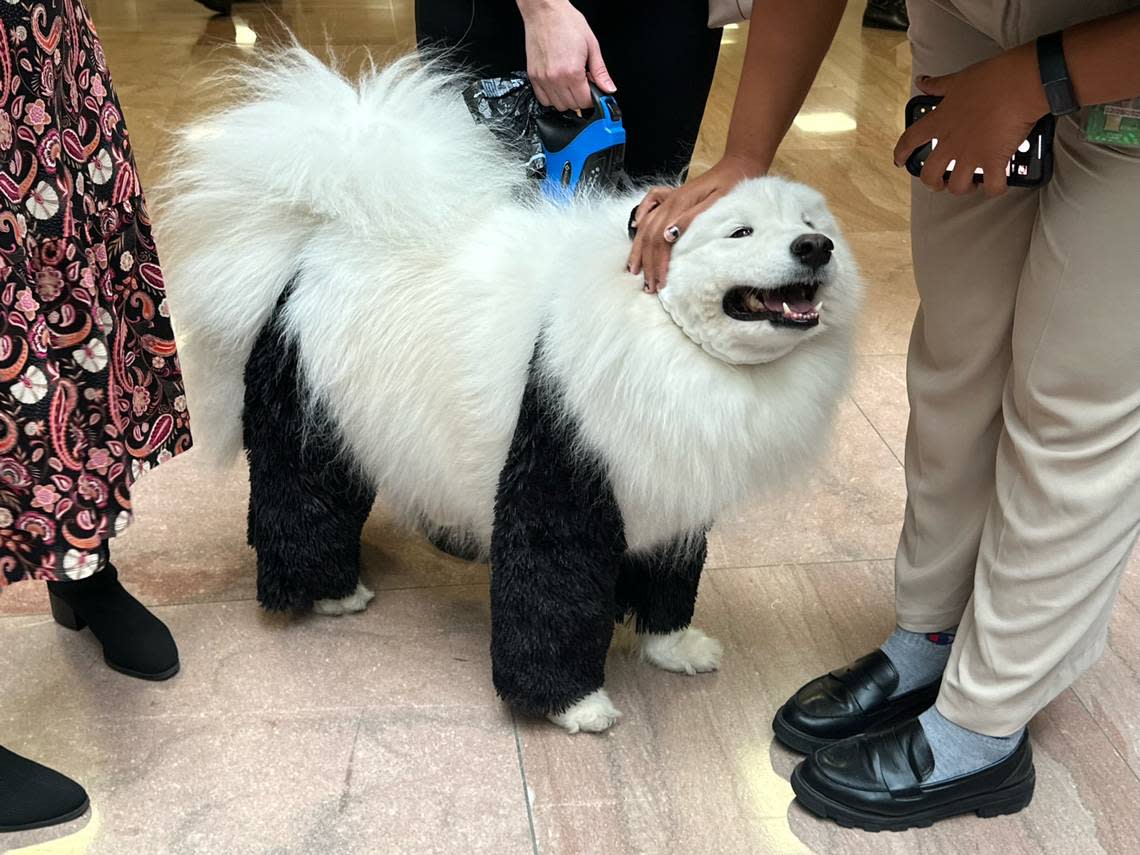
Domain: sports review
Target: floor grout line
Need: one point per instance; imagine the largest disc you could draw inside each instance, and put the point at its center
(875, 428)
(1107, 737)
(250, 599)
(526, 786)
(787, 564)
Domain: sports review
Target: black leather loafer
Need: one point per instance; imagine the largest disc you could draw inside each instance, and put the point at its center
(886, 15)
(852, 700)
(875, 782)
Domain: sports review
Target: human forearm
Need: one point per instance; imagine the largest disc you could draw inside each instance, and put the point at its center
(527, 7)
(1103, 57)
(786, 45)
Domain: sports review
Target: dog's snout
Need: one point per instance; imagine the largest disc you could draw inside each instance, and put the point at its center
(814, 249)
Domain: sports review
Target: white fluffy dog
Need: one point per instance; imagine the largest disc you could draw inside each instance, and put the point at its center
(370, 295)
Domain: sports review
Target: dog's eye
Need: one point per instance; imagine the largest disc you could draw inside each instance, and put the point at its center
(743, 231)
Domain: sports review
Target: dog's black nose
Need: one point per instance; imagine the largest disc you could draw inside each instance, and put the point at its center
(814, 250)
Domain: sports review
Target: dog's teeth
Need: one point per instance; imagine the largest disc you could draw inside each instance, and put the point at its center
(788, 310)
(819, 307)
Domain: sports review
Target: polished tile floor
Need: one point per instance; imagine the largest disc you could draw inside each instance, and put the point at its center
(380, 732)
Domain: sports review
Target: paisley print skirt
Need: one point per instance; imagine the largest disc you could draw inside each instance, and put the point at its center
(90, 389)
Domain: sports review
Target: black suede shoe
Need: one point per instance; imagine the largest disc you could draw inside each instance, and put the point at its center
(847, 702)
(34, 796)
(135, 642)
(875, 782)
(886, 15)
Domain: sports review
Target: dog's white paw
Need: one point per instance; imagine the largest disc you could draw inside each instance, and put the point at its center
(686, 651)
(593, 714)
(357, 601)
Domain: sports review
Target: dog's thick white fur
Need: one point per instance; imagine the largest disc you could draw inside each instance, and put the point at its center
(424, 282)
(686, 651)
(423, 270)
(357, 601)
(593, 714)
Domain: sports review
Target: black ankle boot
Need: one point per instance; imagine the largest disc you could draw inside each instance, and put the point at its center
(34, 796)
(135, 642)
(886, 15)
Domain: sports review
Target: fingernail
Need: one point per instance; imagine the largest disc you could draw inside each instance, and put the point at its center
(671, 234)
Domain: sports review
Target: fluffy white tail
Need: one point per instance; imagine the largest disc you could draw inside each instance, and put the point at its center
(393, 157)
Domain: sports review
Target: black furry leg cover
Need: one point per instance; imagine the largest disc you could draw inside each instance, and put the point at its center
(659, 589)
(307, 503)
(555, 552)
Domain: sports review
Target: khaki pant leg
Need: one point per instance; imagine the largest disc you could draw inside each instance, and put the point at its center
(968, 257)
(1066, 508)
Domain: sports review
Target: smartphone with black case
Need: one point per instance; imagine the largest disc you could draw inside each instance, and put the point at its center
(1030, 166)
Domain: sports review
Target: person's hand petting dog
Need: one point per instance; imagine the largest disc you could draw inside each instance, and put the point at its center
(780, 61)
(562, 54)
(666, 212)
(987, 111)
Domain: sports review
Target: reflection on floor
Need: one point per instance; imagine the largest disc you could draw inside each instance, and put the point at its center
(380, 732)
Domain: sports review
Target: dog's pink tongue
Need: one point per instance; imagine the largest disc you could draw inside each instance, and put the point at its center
(774, 302)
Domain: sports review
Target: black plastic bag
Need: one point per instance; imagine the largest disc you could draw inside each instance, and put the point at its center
(508, 107)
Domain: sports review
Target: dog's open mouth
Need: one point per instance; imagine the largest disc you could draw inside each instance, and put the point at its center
(789, 306)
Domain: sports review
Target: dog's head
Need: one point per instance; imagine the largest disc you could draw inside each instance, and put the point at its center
(763, 270)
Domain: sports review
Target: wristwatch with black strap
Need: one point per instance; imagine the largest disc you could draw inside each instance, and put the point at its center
(1055, 75)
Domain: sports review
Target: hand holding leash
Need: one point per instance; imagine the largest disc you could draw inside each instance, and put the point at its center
(562, 55)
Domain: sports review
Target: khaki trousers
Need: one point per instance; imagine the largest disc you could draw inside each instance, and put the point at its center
(1023, 449)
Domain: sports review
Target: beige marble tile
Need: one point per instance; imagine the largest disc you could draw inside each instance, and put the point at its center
(187, 545)
(856, 101)
(415, 647)
(890, 299)
(692, 766)
(849, 507)
(159, 17)
(878, 388)
(872, 197)
(1111, 690)
(415, 779)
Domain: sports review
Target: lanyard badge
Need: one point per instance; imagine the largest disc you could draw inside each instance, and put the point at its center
(1116, 124)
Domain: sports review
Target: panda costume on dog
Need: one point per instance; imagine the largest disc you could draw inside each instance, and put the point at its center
(371, 297)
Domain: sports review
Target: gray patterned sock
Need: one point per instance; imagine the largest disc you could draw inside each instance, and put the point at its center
(919, 657)
(958, 751)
